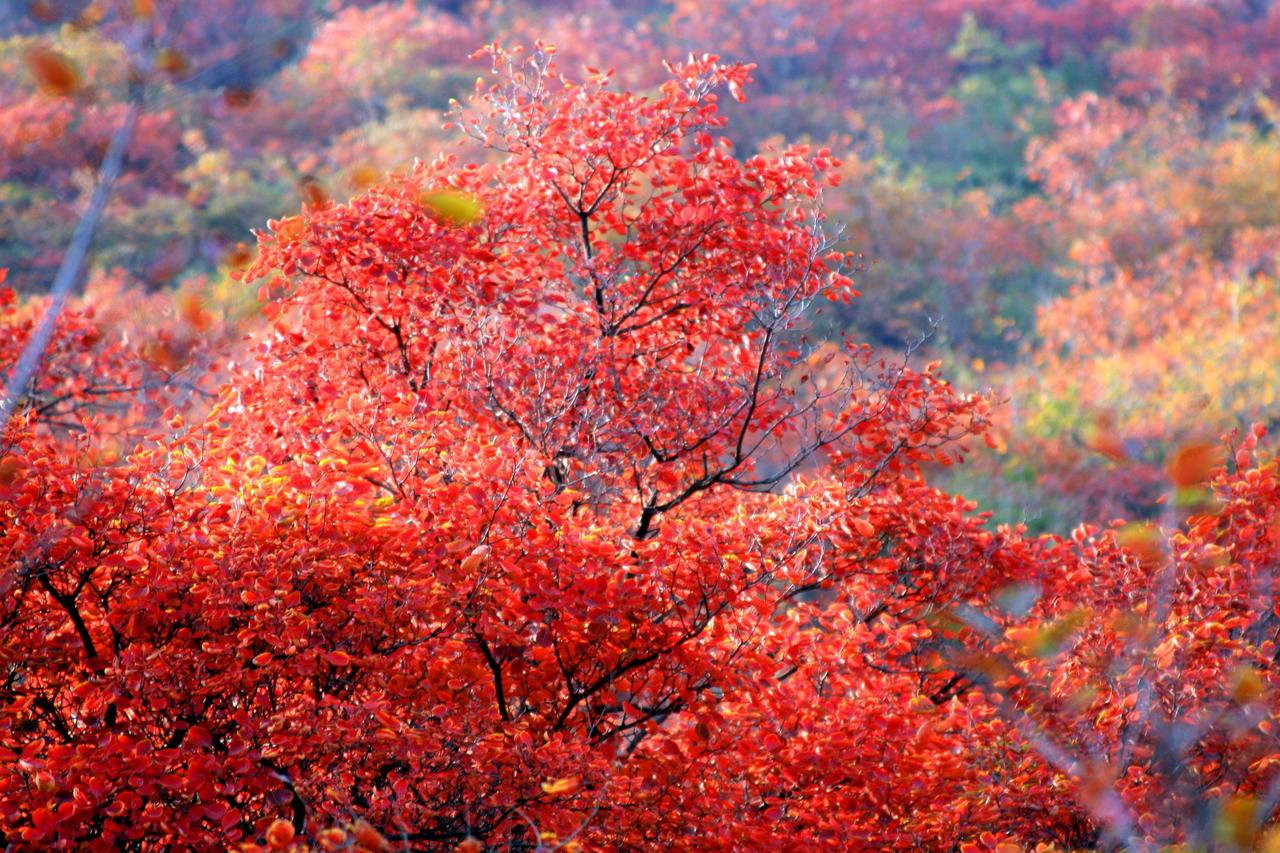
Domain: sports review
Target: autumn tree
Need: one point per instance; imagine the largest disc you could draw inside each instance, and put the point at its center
(547, 511)
(497, 520)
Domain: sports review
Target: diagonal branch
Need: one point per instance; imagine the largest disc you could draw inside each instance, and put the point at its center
(28, 366)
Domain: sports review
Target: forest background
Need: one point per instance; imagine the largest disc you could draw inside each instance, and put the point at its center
(1070, 209)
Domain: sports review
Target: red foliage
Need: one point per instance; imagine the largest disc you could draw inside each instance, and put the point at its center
(53, 142)
(537, 519)
(1215, 54)
(529, 555)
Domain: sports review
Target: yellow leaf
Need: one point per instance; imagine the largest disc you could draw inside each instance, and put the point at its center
(1248, 686)
(1048, 639)
(452, 207)
(362, 177)
(556, 787)
(1237, 822)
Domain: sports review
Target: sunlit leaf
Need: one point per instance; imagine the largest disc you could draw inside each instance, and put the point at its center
(559, 787)
(280, 834)
(452, 207)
